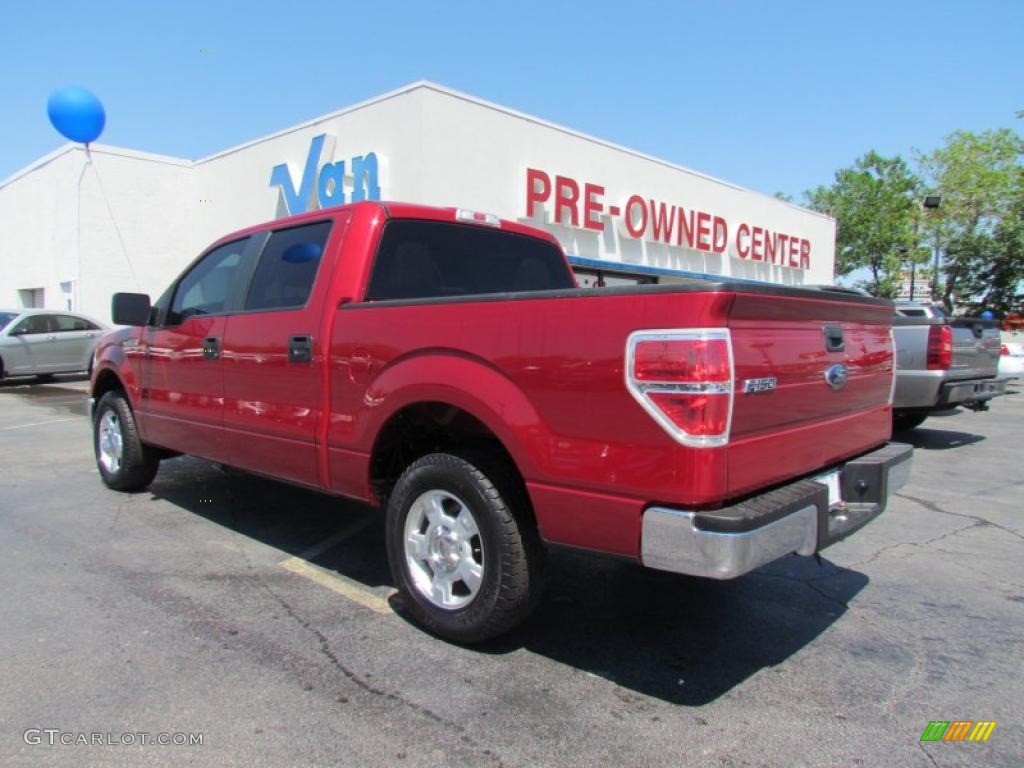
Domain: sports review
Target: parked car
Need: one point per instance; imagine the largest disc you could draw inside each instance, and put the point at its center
(1011, 355)
(443, 365)
(942, 363)
(42, 342)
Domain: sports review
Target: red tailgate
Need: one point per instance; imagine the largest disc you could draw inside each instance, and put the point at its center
(793, 421)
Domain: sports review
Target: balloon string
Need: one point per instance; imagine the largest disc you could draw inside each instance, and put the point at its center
(117, 229)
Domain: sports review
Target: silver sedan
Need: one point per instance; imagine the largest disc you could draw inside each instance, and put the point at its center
(41, 342)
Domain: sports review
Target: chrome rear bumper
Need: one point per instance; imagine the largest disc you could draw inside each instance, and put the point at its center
(729, 542)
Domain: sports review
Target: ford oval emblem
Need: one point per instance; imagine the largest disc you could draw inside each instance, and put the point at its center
(836, 376)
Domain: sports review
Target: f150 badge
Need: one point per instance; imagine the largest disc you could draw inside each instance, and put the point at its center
(836, 376)
(752, 386)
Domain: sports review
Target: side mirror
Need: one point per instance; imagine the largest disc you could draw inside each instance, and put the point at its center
(130, 309)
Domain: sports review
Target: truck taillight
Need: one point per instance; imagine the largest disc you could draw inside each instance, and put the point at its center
(1004, 350)
(940, 347)
(683, 378)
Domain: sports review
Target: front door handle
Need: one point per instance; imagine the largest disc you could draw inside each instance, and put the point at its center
(300, 349)
(211, 348)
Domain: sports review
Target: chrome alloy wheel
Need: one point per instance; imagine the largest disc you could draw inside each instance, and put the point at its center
(111, 442)
(443, 550)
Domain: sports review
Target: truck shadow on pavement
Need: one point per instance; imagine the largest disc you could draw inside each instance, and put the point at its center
(937, 439)
(683, 640)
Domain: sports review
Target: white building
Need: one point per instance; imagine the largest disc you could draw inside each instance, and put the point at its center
(78, 227)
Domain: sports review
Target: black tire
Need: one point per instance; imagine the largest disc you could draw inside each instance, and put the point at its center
(507, 549)
(901, 422)
(138, 462)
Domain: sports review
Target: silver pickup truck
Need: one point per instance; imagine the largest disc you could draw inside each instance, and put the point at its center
(942, 363)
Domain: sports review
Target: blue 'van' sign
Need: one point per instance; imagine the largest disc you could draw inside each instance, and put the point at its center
(329, 180)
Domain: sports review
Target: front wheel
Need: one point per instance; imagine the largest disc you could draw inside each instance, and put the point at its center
(124, 461)
(466, 561)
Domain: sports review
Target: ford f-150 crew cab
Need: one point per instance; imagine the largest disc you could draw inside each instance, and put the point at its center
(942, 363)
(442, 365)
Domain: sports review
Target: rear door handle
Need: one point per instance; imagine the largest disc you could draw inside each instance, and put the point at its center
(211, 348)
(300, 349)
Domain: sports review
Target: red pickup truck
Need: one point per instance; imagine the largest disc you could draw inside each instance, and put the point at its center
(442, 365)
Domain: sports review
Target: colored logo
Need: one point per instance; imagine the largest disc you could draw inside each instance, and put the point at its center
(324, 181)
(836, 376)
(958, 730)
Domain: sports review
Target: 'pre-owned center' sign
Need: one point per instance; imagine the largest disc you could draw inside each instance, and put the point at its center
(585, 205)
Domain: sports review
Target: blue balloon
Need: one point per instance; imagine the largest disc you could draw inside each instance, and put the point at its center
(987, 315)
(76, 113)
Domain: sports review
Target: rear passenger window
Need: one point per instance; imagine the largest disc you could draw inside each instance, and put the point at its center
(284, 276)
(206, 288)
(421, 259)
(70, 323)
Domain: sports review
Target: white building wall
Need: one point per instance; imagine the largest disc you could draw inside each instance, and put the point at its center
(115, 221)
(36, 232)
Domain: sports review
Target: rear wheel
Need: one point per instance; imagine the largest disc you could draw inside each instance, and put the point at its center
(466, 561)
(124, 461)
(904, 421)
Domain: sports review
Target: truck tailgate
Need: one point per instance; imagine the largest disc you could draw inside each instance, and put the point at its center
(813, 379)
(975, 347)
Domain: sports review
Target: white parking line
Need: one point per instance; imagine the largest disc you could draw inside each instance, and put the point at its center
(40, 423)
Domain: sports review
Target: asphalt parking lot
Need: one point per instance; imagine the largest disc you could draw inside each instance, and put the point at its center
(261, 617)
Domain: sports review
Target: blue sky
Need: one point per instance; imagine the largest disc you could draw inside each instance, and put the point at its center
(774, 96)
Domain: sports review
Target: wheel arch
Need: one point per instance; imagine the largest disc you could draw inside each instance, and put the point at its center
(106, 381)
(423, 427)
(457, 400)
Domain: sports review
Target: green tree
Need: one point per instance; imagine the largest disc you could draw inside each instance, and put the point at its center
(876, 211)
(981, 179)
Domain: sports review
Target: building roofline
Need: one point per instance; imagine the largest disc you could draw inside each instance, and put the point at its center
(94, 149)
(322, 119)
(607, 144)
(451, 92)
(401, 91)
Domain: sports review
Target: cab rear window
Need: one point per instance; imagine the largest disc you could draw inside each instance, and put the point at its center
(428, 259)
(287, 268)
